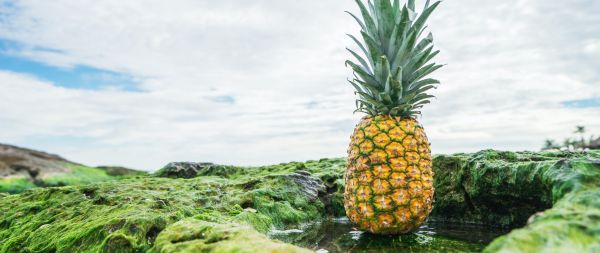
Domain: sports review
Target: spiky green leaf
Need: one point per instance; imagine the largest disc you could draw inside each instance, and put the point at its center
(391, 71)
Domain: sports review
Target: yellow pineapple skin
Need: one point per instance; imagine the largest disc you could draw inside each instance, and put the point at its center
(389, 177)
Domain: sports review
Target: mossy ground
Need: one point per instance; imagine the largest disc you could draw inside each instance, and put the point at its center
(228, 209)
(505, 189)
(129, 215)
(193, 235)
(15, 185)
(78, 175)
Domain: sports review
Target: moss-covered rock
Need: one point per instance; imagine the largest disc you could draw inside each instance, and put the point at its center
(130, 215)
(506, 189)
(193, 235)
(22, 169)
(228, 209)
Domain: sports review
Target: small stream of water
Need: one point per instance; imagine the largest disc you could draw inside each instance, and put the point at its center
(338, 235)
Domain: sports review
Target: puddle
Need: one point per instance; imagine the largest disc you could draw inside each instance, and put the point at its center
(338, 235)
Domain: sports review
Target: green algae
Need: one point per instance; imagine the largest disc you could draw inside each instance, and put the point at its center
(573, 222)
(122, 172)
(505, 189)
(15, 185)
(77, 175)
(192, 235)
(237, 205)
(130, 214)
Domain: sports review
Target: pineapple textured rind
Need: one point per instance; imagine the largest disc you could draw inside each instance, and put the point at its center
(389, 177)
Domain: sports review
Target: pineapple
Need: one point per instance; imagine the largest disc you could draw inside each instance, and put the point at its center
(389, 177)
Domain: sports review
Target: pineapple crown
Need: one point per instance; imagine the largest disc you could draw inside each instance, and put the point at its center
(390, 79)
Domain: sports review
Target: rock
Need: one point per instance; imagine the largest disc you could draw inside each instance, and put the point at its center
(504, 189)
(192, 235)
(155, 214)
(310, 186)
(16, 162)
(181, 170)
(489, 187)
(533, 217)
(190, 170)
(595, 144)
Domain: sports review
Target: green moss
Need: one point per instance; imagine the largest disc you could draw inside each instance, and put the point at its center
(15, 185)
(192, 235)
(505, 189)
(259, 221)
(76, 175)
(122, 172)
(128, 215)
(79, 175)
(328, 170)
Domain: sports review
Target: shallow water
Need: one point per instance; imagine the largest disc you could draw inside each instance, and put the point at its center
(338, 235)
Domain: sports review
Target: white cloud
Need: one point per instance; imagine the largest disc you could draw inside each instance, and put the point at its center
(510, 64)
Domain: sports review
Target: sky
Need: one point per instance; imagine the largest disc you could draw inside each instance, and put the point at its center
(141, 83)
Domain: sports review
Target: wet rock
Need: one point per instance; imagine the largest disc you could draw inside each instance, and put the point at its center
(312, 187)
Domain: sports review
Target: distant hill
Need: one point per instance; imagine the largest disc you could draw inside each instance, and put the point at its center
(22, 169)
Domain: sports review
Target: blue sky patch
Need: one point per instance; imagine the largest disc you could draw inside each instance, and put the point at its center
(224, 99)
(78, 77)
(6, 8)
(583, 103)
(312, 104)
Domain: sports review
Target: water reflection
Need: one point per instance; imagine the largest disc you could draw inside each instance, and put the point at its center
(338, 235)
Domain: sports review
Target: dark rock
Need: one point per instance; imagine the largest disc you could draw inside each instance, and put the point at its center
(595, 144)
(191, 170)
(183, 169)
(312, 187)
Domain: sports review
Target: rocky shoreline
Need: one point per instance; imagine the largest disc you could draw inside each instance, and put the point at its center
(553, 198)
